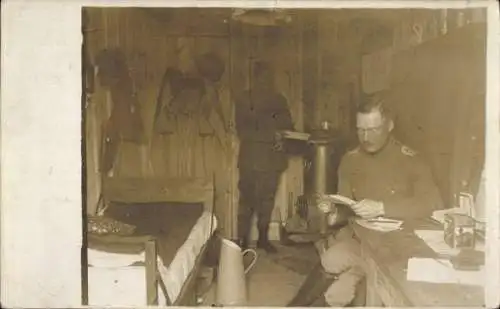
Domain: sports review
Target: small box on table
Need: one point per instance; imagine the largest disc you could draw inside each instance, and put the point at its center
(459, 231)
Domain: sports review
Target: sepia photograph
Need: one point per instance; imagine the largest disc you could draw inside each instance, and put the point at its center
(216, 138)
(253, 156)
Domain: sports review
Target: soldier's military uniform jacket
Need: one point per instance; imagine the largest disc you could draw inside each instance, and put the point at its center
(259, 116)
(395, 176)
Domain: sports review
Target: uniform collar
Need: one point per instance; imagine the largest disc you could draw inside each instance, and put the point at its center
(387, 151)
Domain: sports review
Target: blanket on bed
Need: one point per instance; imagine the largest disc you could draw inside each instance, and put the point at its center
(169, 223)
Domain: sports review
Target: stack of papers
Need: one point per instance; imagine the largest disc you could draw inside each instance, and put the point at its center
(442, 271)
(380, 224)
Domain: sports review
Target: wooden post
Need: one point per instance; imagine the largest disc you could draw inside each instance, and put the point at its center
(151, 271)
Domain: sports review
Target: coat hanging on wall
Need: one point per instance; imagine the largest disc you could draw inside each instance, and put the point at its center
(179, 95)
(125, 123)
(164, 118)
(192, 95)
(188, 101)
(211, 68)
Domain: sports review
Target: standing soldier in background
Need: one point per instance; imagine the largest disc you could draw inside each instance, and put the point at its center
(261, 113)
(387, 179)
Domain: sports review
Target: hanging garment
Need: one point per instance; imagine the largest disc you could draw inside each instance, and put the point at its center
(164, 118)
(211, 105)
(179, 95)
(125, 122)
(126, 117)
(206, 106)
(109, 150)
(211, 67)
(188, 101)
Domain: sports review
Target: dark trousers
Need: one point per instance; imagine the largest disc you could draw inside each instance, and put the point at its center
(257, 193)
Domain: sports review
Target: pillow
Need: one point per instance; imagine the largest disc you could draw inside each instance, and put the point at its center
(103, 226)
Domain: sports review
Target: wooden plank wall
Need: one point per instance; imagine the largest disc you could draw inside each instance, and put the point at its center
(437, 93)
(439, 97)
(310, 69)
(331, 67)
(339, 87)
(152, 42)
(437, 85)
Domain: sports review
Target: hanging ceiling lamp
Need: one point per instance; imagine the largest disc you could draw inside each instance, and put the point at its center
(261, 17)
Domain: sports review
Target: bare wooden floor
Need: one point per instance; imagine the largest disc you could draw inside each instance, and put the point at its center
(276, 278)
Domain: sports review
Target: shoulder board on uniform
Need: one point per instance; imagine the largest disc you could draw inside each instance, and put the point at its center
(407, 151)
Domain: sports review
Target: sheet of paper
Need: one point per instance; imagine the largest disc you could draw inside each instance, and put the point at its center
(339, 199)
(442, 271)
(435, 240)
(377, 225)
(385, 220)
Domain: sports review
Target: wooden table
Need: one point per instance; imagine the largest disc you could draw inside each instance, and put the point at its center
(386, 256)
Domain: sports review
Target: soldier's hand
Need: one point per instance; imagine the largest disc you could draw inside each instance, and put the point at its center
(278, 142)
(368, 209)
(278, 146)
(323, 202)
(332, 218)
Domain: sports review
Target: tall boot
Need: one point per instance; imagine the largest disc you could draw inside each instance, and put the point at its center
(263, 241)
(244, 220)
(342, 292)
(312, 290)
(243, 242)
(320, 302)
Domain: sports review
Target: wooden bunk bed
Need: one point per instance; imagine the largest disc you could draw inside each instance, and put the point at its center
(138, 257)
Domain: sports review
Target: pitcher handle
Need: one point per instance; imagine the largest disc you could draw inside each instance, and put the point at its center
(253, 261)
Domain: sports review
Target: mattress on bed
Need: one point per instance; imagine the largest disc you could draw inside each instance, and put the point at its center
(181, 232)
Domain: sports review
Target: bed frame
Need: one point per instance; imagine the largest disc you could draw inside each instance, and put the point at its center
(157, 190)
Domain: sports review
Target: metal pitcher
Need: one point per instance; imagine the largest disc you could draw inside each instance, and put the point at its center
(231, 282)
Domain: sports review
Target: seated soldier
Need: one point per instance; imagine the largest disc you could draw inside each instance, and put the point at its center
(388, 179)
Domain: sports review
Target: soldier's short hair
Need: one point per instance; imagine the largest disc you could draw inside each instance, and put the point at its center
(375, 102)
